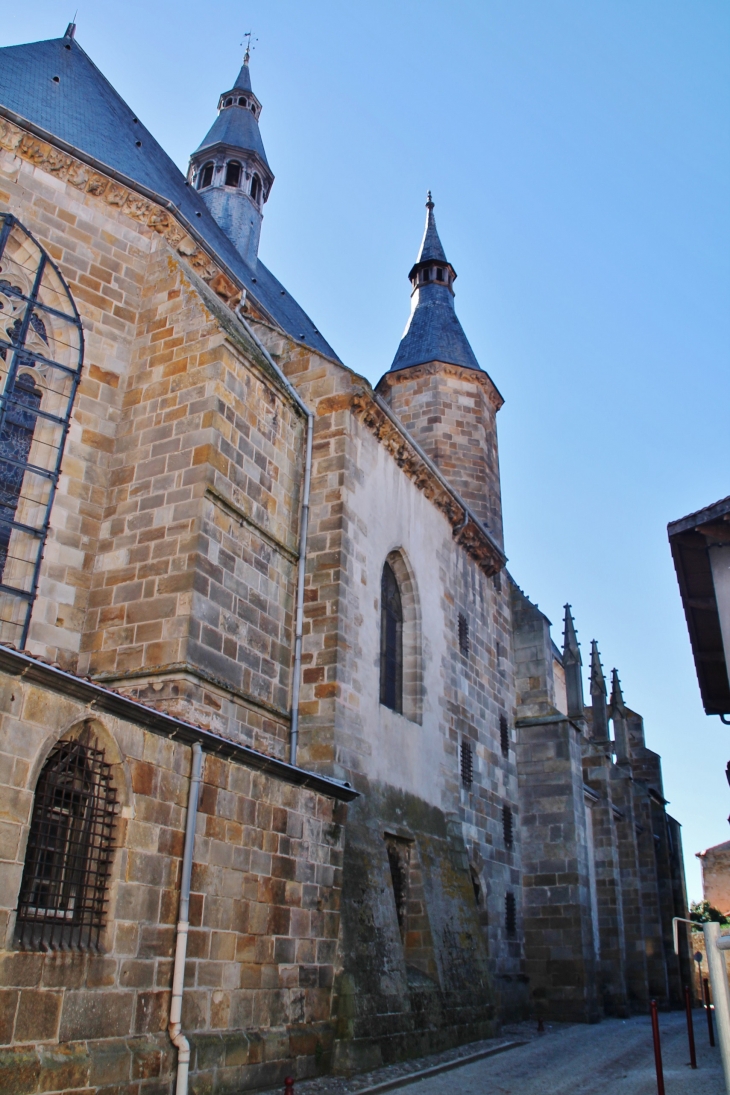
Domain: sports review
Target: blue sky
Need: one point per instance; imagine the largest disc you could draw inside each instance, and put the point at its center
(579, 157)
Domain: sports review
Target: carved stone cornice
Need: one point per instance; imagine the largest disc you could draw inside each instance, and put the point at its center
(469, 533)
(85, 178)
(443, 368)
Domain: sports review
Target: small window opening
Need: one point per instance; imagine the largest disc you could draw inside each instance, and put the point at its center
(498, 581)
(508, 826)
(253, 107)
(476, 885)
(467, 764)
(255, 188)
(426, 275)
(206, 176)
(399, 860)
(439, 274)
(510, 914)
(504, 735)
(241, 102)
(228, 102)
(463, 634)
(233, 173)
(391, 641)
(62, 900)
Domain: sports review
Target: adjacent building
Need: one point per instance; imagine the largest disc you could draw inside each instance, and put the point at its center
(216, 536)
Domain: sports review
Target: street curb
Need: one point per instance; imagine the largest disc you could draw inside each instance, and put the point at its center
(425, 1073)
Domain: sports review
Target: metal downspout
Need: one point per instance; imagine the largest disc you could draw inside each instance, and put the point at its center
(177, 1037)
(303, 526)
(299, 623)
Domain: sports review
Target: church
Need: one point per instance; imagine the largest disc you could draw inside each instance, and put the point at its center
(295, 778)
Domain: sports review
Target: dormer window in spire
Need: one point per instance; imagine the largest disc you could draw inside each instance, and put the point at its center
(242, 102)
(206, 176)
(439, 274)
(229, 101)
(233, 173)
(255, 188)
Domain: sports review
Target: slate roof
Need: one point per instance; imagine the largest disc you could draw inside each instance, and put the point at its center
(83, 111)
(236, 126)
(431, 247)
(433, 332)
(243, 80)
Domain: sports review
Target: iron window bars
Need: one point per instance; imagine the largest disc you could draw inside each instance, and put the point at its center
(63, 892)
(467, 764)
(504, 735)
(41, 354)
(463, 635)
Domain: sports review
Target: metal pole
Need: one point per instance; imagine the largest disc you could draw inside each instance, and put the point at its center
(177, 1037)
(708, 1009)
(720, 994)
(690, 1027)
(657, 1049)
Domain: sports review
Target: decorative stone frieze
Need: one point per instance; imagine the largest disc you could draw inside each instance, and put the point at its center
(41, 154)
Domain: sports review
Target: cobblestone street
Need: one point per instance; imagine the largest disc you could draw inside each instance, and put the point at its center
(614, 1057)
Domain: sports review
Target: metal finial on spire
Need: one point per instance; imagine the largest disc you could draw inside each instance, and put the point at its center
(249, 46)
(429, 201)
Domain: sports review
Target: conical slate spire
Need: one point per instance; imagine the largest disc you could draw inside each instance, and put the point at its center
(431, 246)
(433, 331)
(617, 714)
(243, 80)
(598, 695)
(230, 168)
(572, 663)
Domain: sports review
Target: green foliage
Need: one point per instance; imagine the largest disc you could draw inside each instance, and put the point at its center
(702, 912)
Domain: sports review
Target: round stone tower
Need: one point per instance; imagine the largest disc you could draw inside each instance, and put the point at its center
(438, 390)
(230, 168)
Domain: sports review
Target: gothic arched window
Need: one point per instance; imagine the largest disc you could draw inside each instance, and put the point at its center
(233, 173)
(206, 176)
(62, 899)
(255, 188)
(41, 353)
(391, 641)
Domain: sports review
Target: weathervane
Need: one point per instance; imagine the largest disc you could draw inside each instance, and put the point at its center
(249, 46)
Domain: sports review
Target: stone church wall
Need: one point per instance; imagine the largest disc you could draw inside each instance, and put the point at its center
(170, 563)
(366, 510)
(265, 912)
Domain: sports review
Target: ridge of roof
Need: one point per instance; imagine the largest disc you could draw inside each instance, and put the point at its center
(84, 111)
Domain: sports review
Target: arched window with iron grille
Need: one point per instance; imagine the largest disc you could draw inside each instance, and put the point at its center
(391, 641)
(41, 354)
(62, 902)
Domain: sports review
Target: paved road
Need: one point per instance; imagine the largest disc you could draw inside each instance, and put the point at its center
(613, 1058)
